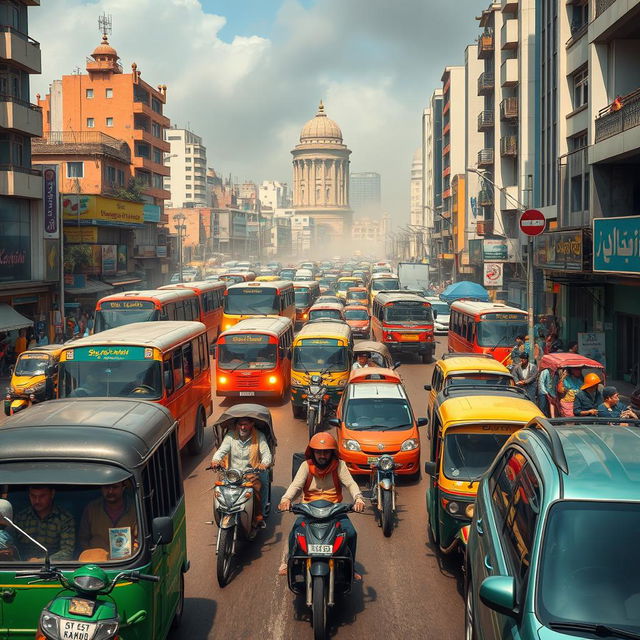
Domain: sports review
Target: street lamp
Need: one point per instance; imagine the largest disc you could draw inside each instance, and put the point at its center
(181, 228)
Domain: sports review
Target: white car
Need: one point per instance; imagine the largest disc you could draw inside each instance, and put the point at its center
(441, 320)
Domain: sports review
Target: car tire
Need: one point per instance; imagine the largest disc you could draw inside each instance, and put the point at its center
(178, 615)
(469, 625)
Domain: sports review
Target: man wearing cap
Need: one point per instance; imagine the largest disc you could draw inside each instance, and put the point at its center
(524, 373)
(362, 361)
(589, 398)
(611, 406)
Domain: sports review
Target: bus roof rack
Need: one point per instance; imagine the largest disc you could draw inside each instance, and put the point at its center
(459, 354)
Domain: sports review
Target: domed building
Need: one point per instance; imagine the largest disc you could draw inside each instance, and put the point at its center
(321, 176)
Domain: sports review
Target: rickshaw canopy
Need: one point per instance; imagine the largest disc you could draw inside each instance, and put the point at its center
(555, 361)
(260, 414)
(371, 346)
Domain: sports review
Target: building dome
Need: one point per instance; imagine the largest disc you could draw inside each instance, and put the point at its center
(104, 49)
(321, 129)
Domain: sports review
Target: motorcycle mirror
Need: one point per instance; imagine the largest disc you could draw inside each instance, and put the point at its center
(162, 530)
(431, 468)
(423, 422)
(427, 387)
(333, 422)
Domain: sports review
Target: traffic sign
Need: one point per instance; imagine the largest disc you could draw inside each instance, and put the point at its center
(532, 222)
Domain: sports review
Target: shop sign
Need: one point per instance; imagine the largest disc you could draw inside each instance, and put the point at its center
(561, 250)
(75, 280)
(151, 213)
(495, 249)
(50, 201)
(475, 251)
(493, 274)
(161, 251)
(81, 235)
(592, 345)
(122, 258)
(24, 300)
(91, 210)
(109, 259)
(51, 259)
(616, 244)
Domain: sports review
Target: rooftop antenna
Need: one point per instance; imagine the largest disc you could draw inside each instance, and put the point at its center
(105, 24)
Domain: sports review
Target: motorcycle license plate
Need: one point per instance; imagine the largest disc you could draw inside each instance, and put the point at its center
(75, 630)
(410, 337)
(320, 549)
(247, 393)
(372, 460)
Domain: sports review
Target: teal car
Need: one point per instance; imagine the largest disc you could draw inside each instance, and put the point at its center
(553, 551)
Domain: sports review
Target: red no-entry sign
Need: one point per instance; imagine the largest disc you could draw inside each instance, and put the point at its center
(532, 222)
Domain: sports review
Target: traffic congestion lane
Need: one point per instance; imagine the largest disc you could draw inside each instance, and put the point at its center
(406, 588)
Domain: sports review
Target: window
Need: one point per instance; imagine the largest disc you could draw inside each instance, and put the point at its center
(187, 186)
(111, 175)
(188, 160)
(580, 88)
(156, 130)
(109, 122)
(188, 195)
(173, 138)
(90, 123)
(156, 105)
(178, 374)
(187, 169)
(108, 93)
(75, 169)
(187, 178)
(157, 181)
(88, 94)
(157, 155)
(120, 174)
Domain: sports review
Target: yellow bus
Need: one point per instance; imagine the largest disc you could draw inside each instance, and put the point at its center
(251, 299)
(165, 362)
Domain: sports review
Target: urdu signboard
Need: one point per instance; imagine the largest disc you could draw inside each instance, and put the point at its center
(616, 245)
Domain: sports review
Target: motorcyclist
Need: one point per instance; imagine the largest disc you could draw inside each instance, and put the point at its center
(321, 478)
(246, 448)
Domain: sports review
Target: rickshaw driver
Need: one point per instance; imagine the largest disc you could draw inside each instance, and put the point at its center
(245, 448)
(362, 361)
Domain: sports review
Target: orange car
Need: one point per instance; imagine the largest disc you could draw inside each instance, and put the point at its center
(357, 295)
(357, 317)
(375, 417)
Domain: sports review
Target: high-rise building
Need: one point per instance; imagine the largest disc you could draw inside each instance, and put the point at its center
(274, 195)
(365, 193)
(187, 160)
(416, 211)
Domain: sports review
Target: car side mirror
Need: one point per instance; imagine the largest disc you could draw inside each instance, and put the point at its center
(427, 387)
(431, 468)
(162, 530)
(435, 313)
(396, 364)
(423, 422)
(499, 593)
(333, 422)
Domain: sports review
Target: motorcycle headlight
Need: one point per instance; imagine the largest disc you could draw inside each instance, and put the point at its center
(314, 389)
(89, 583)
(49, 624)
(352, 445)
(470, 508)
(409, 445)
(453, 508)
(233, 476)
(106, 630)
(385, 463)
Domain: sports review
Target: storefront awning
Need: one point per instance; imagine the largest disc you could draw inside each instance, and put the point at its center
(92, 286)
(123, 280)
(11, 320)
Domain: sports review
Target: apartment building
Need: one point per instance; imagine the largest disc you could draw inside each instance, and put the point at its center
(187, 161)
(365, 193)
(274, 195)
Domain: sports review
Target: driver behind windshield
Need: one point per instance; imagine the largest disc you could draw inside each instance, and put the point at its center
(8, 549)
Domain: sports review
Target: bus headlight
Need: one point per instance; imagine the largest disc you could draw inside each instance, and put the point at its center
(222, 380)
(273, 379)
(409, 445)
(453, 508)
(352, 445)
(469, 510)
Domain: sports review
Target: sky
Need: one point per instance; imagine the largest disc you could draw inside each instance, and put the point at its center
(246, 75)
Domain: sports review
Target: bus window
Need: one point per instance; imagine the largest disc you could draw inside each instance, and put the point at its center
(196, 348)
(178, 374)
(168, 376)
(187, 361)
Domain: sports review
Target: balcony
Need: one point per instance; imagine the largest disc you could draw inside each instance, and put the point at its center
(509, 109)
(618, 116)
(509, 5)
(509, 73)
(20, 116)
(485, 157)
(485, 197)
(602, 6)
(486, 45)
(143, 107)
(70, 143)
(20, 182)
(509, 146)
(509, 34)
(485, 120)
(486, 83)
(140, 133)
(484, 227)
(20, 49)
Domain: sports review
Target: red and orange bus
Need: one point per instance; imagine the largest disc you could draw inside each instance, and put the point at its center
(164, 362)
(234, 277)
(253, 358)
(210, 294)
(145, 306)
(403, 322)
(250, 299)
(485, 327)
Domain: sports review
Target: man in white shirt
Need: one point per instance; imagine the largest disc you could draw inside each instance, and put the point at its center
(362, 361)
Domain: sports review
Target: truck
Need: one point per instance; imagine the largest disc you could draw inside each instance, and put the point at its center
(414, 275)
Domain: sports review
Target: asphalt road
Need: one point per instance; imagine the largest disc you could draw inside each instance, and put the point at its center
(407, 589)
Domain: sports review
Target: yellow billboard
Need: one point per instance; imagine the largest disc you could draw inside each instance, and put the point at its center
(92, 210)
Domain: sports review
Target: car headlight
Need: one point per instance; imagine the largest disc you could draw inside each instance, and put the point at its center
(385, 463)
(352, 445)
(453, 508)
(470, 508)
(89, 583)
(233, 476)
(409, 445)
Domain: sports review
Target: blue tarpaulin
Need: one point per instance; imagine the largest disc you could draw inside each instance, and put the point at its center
(465, 289)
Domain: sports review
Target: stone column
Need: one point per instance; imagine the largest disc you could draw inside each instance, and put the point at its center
(314, 169)
(334, 199)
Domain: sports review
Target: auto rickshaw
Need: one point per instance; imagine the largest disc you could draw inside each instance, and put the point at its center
(33, 379)
(556, 363)
(467, 430)
(379, 354)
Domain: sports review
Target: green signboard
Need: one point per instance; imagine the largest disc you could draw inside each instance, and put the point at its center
(101, 353)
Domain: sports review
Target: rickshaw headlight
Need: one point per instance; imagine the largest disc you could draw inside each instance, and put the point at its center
(49, 624)
(106, 630)
(222, 379)
(352, 445)
(89, 583)
(409, 445)
(453, 508)
(469, 510)
(233, 476)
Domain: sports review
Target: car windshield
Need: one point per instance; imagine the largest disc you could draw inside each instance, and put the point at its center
(79, 531)
(343, 286)
(110, 378)
(302, 298)
(287, 274)
(441, 307)
(503, 333)
(589, 563)
(31, 364)
(320, 358)
(111, 318)
(378, 414)
(385, 284)
(478, 379)
(357, 295)
(468, 455)
(251, 301)
(333, 314)
(248, 351)
(408, 312)
(356, 314)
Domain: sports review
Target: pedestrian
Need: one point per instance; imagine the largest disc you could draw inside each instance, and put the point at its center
(21, 342)
(518, 349)
(611, 406)
(589, 398)
(568, 386)
(572, 347)
(525, 374)
(553, 343)
(546, 393)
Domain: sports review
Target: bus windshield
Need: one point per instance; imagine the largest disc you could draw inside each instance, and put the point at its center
(493, 333)
(320, 357)
(332, 314)
(247, 351)
(110, 378)
(247, 301)
(408, 312)
(302, 298)
(31, 364)
(468, 455)
(385, 284)
(109, 318)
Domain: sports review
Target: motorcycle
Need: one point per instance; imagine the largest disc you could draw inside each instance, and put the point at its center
(320, 565)
(383, 492)
(316, 402)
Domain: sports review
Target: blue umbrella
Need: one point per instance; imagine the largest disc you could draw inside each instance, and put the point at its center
(464, 289)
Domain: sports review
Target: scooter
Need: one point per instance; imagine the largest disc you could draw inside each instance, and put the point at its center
(316, 402)
(320, 565)
(383, 492)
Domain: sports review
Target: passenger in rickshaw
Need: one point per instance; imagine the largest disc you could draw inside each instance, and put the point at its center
(568, 387)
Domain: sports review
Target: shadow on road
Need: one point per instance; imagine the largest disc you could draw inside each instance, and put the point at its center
(199, 614)
(450, 565)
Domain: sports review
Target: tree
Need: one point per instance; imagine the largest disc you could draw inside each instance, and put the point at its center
(76, 257)
(133, 191)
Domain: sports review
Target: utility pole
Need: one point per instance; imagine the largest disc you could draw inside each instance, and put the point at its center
(530, 274)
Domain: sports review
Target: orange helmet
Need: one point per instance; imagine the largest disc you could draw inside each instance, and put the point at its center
(590, 380)
(321, 441)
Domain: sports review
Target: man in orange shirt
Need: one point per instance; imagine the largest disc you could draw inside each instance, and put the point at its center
(21, 342)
